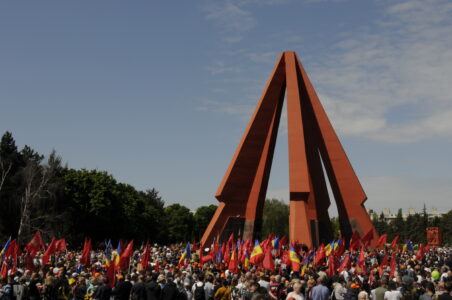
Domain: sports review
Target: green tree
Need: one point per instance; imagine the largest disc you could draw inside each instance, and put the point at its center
(275, 218)
(201, 218)
(179, 223)
(445, 224)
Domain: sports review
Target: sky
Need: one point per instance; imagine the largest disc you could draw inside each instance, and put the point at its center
(158, 93)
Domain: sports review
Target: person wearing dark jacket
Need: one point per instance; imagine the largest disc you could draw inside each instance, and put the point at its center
(103, 292)
(153, 288)
(352, 292)
(170, 291)
(139, 290)
(122, 289)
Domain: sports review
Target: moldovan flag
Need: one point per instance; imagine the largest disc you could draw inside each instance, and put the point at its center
(257, 255)
(294, 260)
(246, 263)
(185, 255)
(382, 240)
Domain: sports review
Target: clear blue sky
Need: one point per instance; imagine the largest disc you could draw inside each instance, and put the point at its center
(158, 93)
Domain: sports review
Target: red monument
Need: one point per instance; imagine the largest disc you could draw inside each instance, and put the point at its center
(312, 143)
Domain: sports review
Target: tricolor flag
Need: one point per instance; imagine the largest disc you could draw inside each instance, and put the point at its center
(186, 254)
(294, 260)
(257, 255)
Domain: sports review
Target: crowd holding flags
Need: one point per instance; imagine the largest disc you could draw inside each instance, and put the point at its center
(233, 255)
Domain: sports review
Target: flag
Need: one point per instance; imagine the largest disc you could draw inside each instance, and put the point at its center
(328, 248)
(185, 255)
(118, 255)
(382, 240)
(394, 241)
(13, 250)
(110, 274)
(283, 241)
(367, 238)
(345, 264)
(384, 261)
(393, 265)
(233, 264)
(86, 253)
(294, 260)
(257, 255)
(319, 255)
(340, 249)
(420, 252)
(268, 263)
(60, 245)
(36, 244)
(275, 243)
(246, 263)
(125, 256)
(5, 248)
(50, 251)
(108, 253)
(331, 266)
(354, 241)
(145, 256)
(227, 252)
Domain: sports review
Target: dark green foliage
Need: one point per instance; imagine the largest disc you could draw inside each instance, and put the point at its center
(70, 203)
(179, 223)
(276, 218)
(201, 218)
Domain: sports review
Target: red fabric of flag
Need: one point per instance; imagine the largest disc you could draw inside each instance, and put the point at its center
(367, 238)
(145, 256)
(320, 255)
(36, 244)
(125, 256)
(394, 241)
(268, 263)
(86, 253)
(61, 245)
(355, 241)
(382, 240)
(50, 251)
(345, 264)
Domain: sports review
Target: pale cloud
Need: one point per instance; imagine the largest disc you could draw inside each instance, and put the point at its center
(406, 62)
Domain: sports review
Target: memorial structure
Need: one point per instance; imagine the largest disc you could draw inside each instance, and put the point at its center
(313, 146)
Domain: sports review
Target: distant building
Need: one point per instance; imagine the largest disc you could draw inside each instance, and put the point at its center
(389, 215)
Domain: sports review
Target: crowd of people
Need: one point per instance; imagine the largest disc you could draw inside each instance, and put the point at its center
(171, 274)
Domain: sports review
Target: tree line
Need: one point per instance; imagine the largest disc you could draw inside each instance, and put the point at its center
(38, 192)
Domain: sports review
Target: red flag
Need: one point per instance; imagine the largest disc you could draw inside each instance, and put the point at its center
(86, 254)
(61, 245)
(420, 252)
(384, 261)
(125, 256)
(233, 264)
(394, 241)
(282, 242)
(285, 259)
(29, 262)
(382, 240)
(145, 256)
(4, 271)
(50, 250)
(427, 249)
(36, 244)
(354, 241)
(393, 265)
(331, 265)
(231, 240)
(340, 249)
(320, 255)
(13, 250)
(227, 253)
(366, 239)
(156, 267)
(345, 264)
(268, 262)
(110, 274)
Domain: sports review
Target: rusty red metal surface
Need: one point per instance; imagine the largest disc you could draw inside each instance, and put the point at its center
(312, 142)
